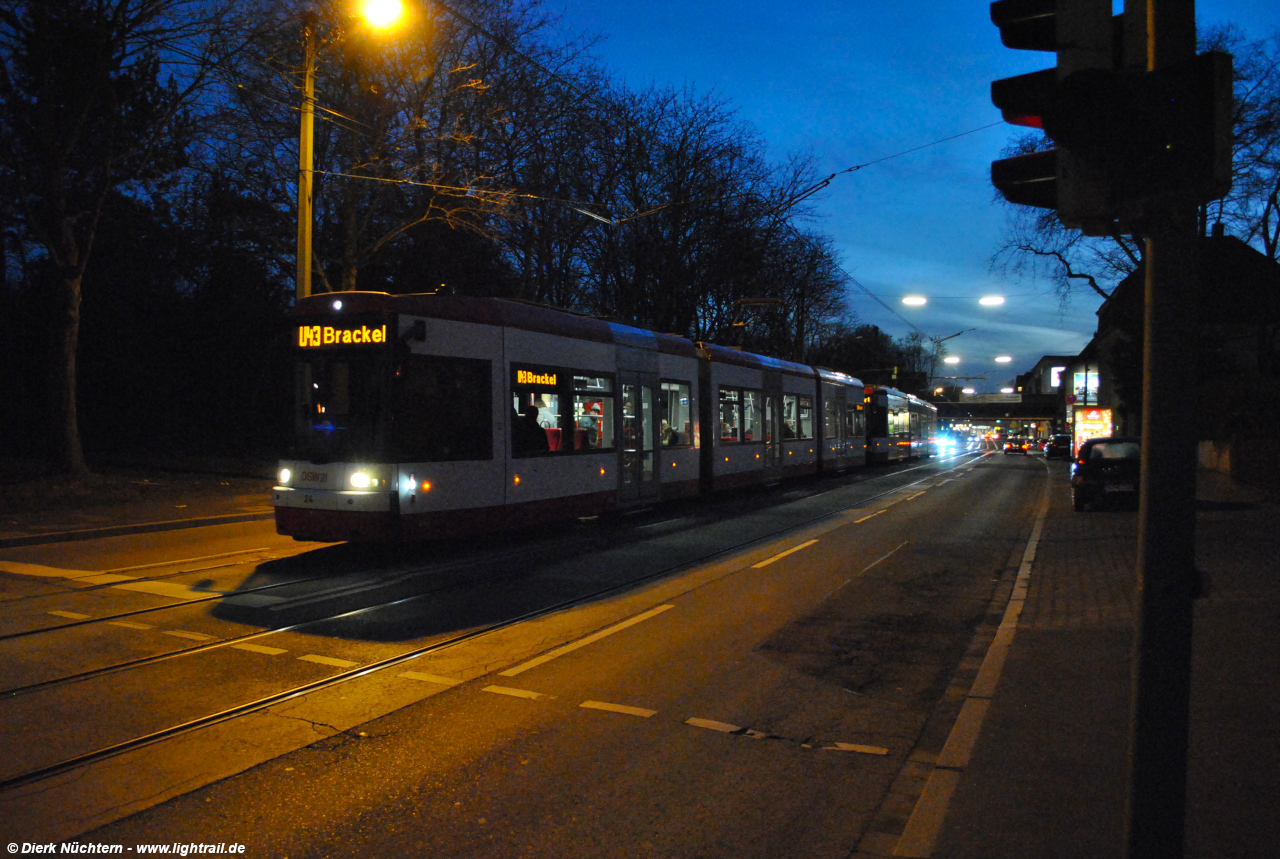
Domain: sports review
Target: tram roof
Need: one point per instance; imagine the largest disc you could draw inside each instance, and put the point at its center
(499, 312)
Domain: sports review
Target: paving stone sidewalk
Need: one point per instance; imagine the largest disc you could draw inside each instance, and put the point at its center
(1047, 776)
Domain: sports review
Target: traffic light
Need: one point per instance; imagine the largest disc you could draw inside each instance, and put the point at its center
(1125, 138)
(1081, 33)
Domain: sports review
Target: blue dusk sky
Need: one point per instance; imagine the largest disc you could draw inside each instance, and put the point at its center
(853, 81)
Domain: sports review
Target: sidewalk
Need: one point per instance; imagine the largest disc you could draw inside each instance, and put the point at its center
(1047, 775)
(115, 501)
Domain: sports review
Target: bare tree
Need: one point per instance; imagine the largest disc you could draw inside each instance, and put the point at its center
(97, 97)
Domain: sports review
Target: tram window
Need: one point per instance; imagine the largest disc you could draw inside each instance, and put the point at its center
(831, 420)
(805, 426)
(730, 415)
(752, 419)
(675, 411)
(339, 407)
(442, 410)
(592, 413)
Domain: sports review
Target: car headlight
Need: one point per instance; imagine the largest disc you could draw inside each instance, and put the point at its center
(285, 476)
(360, 480)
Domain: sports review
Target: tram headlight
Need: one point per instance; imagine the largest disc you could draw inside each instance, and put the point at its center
(360, 480)
(285, 476)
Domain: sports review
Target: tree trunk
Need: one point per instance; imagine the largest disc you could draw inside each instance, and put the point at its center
(67, 342)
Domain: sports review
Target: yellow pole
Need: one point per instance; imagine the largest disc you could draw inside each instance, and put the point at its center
(306, 138)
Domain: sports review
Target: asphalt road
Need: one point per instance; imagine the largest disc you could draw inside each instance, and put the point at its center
(748, 678)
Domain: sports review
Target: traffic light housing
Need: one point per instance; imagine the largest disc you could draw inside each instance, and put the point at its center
(1081, 33)
(1124, 139)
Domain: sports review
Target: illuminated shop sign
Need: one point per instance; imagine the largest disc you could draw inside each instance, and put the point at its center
(319, 336)
(525, 377)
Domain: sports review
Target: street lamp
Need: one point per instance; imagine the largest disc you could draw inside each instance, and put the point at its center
(915, 300)
(379, 14)
(991, 300)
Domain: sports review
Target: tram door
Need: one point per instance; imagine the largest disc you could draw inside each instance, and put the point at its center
(772, 438)
(639, 482)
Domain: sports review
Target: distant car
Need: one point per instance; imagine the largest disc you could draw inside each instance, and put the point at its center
(1058, 445)
(1017, 445)
(1106, 469)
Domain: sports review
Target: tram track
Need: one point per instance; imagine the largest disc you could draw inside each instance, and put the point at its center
(264, 702)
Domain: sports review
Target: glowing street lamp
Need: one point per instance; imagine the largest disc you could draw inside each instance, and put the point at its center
(1003, 359)
(382, 13)
(1006, 390)
(915, 300)
(991, 300)
(951, 359)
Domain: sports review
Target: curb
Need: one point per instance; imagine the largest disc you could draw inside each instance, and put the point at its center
(124, 530)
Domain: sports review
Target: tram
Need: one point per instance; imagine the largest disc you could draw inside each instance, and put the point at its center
(899, 426)
(426, 416)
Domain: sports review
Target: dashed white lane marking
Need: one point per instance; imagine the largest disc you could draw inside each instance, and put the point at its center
(260, 648)
(711, 724)
(129, 624)
(618, 708)
(782, 555)
(855, 747)
(429, 678)
(182, 633)
(71, 615)
(865, 518)
(514, 693)
(328, 660)
(583, 642)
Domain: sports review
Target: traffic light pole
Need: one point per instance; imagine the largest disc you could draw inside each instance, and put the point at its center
(1166, 574)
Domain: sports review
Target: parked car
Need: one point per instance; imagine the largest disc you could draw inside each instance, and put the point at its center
(1058, 445)
(1106, 469)
(1017, 445)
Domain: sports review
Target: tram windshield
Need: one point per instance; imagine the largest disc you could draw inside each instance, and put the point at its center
(339, 407)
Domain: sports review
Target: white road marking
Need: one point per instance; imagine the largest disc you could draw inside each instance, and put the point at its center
(104, 579)
(618, 708)
(42, 571)
(328, 660)
(260, 648)
(71, 615)
(128, 624)
(429, 678)
(865, 518)
(711, 724)
(583, 642)
(514, 693)
(925, 823)
(854, 747)
(181, 633)
(782, 555)
(885, 555)
(166, 589)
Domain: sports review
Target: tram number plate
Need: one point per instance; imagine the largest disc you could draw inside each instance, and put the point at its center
(307, 499)
(1118, 487)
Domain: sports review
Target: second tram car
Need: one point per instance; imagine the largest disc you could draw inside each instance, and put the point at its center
(422, 416)
(899, 426)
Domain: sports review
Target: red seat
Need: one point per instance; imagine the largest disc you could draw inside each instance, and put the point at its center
(553, 437)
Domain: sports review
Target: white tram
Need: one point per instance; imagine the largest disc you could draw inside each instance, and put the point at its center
(899, 426)
(424, 416)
